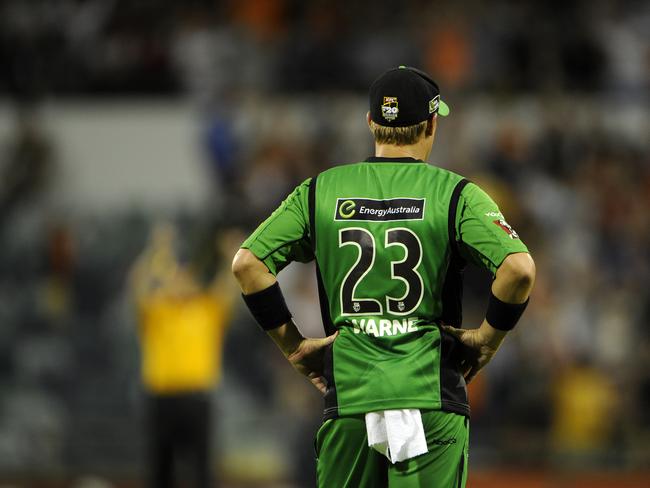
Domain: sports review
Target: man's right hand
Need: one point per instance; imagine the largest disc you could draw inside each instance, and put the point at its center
(308, 359)
(483, 342)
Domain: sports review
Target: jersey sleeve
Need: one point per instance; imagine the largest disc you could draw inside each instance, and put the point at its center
(484, 236)
(284, 236)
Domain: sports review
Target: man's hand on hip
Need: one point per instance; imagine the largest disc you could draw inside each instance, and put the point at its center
(483, 344)
(308, 359)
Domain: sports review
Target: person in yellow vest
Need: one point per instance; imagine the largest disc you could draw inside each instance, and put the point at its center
(181, 327)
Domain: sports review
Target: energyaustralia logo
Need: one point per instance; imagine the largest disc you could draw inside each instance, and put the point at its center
(369, 209)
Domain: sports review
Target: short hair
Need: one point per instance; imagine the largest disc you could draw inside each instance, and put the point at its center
(398, 136)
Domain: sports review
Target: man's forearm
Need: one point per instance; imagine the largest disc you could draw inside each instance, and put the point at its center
(253, 276)
(287, 337)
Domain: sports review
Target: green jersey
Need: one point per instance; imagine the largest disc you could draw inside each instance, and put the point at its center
(390, 238)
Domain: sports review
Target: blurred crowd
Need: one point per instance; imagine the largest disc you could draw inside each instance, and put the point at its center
(549, 114)
(219, 48)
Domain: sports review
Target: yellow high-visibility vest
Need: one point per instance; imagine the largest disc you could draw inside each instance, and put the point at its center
(181, 341)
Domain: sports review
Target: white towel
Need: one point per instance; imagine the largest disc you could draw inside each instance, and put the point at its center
(397, 434)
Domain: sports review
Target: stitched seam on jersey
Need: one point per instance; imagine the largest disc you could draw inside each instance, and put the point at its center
(461, 469)
(392, 400)
(281, 247)
(443, 405)
(454, 403)
(456, 229)
(323, 300)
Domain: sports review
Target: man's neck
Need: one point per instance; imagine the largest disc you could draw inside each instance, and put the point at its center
(416, 151)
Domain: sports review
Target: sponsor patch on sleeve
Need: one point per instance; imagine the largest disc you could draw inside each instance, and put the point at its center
(505, 226)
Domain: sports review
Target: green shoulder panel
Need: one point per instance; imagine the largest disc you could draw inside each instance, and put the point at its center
(284, 236)
(484, 235)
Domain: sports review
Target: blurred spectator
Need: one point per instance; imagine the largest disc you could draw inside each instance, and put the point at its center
(221, 151)
(28, 164)
(584, 416)
(508, 160)
(61, 255)
(448, 53)
(265, 18)
(272, 164)
(182, 328)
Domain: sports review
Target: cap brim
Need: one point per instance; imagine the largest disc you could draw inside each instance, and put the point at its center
(443, 109)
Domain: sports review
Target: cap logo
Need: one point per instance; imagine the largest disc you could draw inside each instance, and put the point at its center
(433, 104)
(389, 108)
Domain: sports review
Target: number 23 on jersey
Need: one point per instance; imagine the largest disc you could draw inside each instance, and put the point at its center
(404, 270)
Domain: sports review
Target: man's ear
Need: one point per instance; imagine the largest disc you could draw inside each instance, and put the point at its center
(368, 119)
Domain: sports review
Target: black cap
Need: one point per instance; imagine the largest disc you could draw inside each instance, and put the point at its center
(405, 96)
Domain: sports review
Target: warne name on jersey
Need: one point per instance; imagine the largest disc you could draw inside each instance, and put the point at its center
(385, 327)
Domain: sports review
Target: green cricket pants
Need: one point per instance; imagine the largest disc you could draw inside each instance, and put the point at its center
(344, 459)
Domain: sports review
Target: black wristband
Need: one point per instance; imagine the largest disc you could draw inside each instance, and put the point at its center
(502, 315)
(268, 307)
